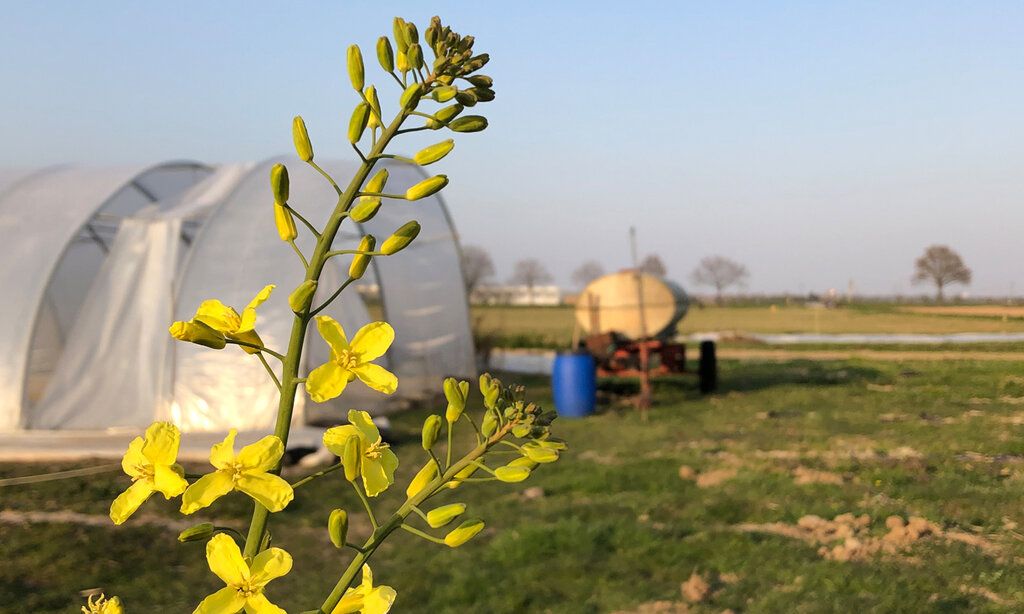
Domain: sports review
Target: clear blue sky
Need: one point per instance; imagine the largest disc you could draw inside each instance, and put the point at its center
(817, 142)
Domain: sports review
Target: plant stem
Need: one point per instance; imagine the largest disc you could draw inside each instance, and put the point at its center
(313, 476)
(366, 504)
(422, 534)
(270, 371)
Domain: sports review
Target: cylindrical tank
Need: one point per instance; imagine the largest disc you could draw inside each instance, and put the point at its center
(574, 384)
(614, 303)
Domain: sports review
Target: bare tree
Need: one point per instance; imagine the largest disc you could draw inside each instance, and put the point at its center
(719, 272)
(477, 266)
(588, 272)
(530, 273)
(652, 264)
(941, 266)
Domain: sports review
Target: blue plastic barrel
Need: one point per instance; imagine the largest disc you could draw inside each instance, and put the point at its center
(574, 384)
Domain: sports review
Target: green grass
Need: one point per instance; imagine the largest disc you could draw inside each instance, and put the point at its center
(617, 527)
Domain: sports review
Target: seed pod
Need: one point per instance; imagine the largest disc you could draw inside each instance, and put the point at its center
(441, 516)
(539, 454)
(466, 98)
(427, 187)
(422, 478)
(398, 29)
(199, 532)
(415, 55)
(285, 223)
(350, 458)
(302, 145)
(465, 532)
(453, 392)
(433, 153)
(431, 429)
(410, 97)
(357, 124)
(360, 261)
(365, 209)
(490, 423)
(461, 475)
(401, 238)
(198, 333)
(356, 73)
(279, 183)
(302, 296)
(469, 123)
(376, 183)
(376, 119)
(385, 54)
(337, 527)
(481, 80)
(511, 474)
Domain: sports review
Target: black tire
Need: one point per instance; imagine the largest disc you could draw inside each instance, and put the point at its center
(707, 368)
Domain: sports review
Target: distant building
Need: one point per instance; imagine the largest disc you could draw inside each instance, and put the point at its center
(517, 295)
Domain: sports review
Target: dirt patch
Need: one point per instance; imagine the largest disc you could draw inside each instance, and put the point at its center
(981, 591)
(699, 588)
(806, 475)
(596, 457)
(715, 477)
(881, 355)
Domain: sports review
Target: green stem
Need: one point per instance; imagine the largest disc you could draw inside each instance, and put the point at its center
(255, 347)
(312, 229)
(313, 476)
(330, 179)
(331, 298)
(270, 371)
(298, 253)
(366, 504)
(422, 534)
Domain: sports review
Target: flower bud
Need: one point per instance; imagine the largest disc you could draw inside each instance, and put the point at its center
(360, 261)
(483, 94)
(199, 532)
(465, 532)
(398, 29)
(376, 119)
(412, 35)
(431, 429)
(357, 123)
(385, 55)
(355, 67)
(433, 153)
(415, 55)
(402, 61)
(350, 458)
(521, 430)
(441, 516)
(444, 93)
(539, 454)
(376, 183)
(285, 223)
(511, 474)
(198, 333)
(366, 207)
(427, 187)
(337, 527)
(410, 97)
(481, 81)
(461, 475)
(523, 461)
(455, 393)
(490, 423)
(552, 444)
(279, 183)
(422, 479)
(302, 145)
(469, 123)
(302, 296)
(443, 116)
(401, 238)
(466, 98)
(491, 389)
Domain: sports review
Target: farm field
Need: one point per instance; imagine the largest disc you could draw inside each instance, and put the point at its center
(786, 492)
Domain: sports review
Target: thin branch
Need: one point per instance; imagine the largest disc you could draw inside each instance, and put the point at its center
(366, 505)
(331, 298)
(313, 476)
(255, 347)
(270, 371)
(326, 176)
(302, 219)
(298, 252)
(418, 533)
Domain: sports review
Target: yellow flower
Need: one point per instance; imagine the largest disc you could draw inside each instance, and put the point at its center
(214, 321)
(349, 361)
(248, 471)
(150, 463)
(377, 463)
(245, 582)
(366, 598)
(102, 605)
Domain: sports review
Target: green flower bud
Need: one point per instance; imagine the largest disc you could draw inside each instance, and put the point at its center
(402, 61)
(398, 29)
(337, 527)
(469, 123)
(524, 461)
(279, 183)
(491, 389)
(350, 458)
(552, 444)
(302, 145)
(431, 429)
(539, 454)
(412, 35)
(200, 532)
(357, 124)
(481, 80)
(455, 393)
(443, 116)
(511, 474)
(366, 207)
(410, 97)
(385, 55)
(444, 93)
(465, 532)
(466, 98)
(302, 295)
(415, 55)
(490, 423)
(461, 475)
(355, 68)
(423, 477)
(360, 261)
(483, 94)
(400, 239)
(427, 187)
(433, 153)
(521, 430)
(285, 223)
(376, 119)
(441, 516)
(376, 183)
(477, 62)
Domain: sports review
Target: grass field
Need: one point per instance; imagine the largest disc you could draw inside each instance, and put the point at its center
(724, 486)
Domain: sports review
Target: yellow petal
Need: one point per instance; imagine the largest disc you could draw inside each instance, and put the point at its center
(127, 502)
(364, 422)
(326, 382)
(273, 492)
(134, 459)
(223, 454)
(367, 584)
(225, 601)
(196, 332)
(218, 316)
(269, 564)
(333, 334)
(162, 439)
(336, 437)
(373, 340)
(248, 319)
(225, 560)
(169, 480)
(205, 491)
(379, 474)
(351, 602)
(377, 377)
(262, 455)
(379, 600)
(249, 337)
(259, 604)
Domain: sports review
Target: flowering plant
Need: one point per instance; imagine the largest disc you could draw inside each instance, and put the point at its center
(247, 564)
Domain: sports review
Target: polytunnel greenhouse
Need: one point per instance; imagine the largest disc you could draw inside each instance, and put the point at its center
(98, 262)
